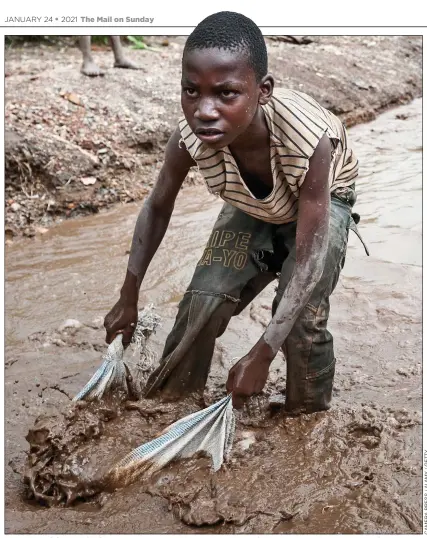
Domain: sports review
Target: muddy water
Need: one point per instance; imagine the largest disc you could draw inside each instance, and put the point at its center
(355, 469)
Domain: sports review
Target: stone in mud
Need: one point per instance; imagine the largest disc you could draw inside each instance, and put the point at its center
(247, 439)
(70, 324)
(97, 323)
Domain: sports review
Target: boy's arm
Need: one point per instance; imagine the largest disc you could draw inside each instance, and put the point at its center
(150, 229)
(249, 375)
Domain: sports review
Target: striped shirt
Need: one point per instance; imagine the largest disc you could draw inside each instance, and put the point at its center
(296, 123)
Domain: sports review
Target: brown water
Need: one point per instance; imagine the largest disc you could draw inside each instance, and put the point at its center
(354, 469)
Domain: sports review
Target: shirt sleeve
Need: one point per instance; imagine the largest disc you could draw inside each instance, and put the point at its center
(301, 123)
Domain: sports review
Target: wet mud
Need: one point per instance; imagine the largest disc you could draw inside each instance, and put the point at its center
(73, 452)
(354, 469)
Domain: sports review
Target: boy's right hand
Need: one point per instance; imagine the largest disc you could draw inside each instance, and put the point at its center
(122, 318)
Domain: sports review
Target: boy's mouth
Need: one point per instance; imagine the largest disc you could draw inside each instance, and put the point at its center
(208, 134)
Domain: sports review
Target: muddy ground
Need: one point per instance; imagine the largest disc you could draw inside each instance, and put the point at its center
(76, 145)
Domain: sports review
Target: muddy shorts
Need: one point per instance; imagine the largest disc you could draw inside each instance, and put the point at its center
(243, 255)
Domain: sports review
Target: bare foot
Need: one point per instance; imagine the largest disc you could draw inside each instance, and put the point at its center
(126, 64)
(90, 69)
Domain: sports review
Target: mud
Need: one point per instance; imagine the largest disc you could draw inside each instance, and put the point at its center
(73, 451)
(348, 491)
(77, 145)
(356, 468)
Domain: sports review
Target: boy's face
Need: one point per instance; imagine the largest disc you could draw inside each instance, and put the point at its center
(219, 95)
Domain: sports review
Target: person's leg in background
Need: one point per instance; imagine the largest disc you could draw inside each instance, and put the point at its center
(89, 66)
(120, 59)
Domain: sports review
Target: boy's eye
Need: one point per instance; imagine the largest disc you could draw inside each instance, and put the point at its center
(191, 92)
(228, 93)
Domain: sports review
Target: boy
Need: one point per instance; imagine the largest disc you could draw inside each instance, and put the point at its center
(286, 173)
(90, 68)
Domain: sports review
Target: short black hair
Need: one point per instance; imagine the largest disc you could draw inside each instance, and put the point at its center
(234, 32)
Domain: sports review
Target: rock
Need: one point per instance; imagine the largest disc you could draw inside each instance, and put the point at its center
(70, 324)
(248, 439)
(29, 232)
(98, 322)
(15, 206)
(10, 232)
(88, 180)
(72, 97)
(361, 85)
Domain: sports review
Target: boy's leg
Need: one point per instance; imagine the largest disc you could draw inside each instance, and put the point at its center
(309, 347)
(227, 277)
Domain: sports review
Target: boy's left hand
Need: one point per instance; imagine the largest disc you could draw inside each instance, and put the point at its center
(249, 375)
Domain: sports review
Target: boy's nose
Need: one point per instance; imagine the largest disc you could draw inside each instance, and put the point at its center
(206, 111)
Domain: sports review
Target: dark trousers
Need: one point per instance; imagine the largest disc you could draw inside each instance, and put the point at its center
(243, 255)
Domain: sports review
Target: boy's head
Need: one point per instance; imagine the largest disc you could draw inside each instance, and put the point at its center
(232, 32)
(224, 77)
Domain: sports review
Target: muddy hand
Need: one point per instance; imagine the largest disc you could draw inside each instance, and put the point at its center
(248, 376)
(122, 318)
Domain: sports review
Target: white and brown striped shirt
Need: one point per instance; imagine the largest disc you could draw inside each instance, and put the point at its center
(296, 123)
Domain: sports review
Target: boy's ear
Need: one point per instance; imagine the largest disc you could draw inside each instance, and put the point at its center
(266, 87)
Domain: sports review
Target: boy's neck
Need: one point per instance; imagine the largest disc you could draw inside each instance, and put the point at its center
(255, 136)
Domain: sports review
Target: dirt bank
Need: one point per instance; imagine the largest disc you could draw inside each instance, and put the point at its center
(75, 145)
